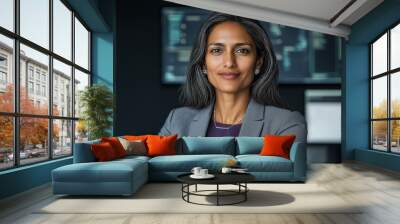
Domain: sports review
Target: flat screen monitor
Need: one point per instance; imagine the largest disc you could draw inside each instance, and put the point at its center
(303, 56)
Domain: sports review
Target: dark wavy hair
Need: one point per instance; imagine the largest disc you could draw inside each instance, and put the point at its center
(198, 92)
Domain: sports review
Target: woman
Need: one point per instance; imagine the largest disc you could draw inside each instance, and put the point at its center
(231, 87)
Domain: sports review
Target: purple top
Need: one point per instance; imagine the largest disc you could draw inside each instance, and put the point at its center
(222, 129)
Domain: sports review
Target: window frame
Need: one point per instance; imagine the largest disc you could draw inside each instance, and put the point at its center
(16, 114)
(388, 74)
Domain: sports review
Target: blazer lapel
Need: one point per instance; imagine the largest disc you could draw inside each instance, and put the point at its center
(253, 120)
(199, 124)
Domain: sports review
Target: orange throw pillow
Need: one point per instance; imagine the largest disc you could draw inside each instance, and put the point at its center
(161, 145)
(135, 137)
(116, 145)
(275, 145)
(103, 151)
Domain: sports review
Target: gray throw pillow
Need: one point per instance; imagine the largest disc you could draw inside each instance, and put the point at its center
(136, 147)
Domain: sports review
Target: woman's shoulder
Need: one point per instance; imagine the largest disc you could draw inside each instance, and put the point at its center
(284, 114)
(184, 112)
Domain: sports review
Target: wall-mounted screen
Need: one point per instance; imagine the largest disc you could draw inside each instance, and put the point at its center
(303, 56)
(323, 116)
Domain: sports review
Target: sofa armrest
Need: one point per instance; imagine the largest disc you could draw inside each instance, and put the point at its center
(83, 152)
(298, 155)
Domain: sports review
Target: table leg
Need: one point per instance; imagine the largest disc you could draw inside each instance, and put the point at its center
(196, 188)
(217, 194)
(245, 193)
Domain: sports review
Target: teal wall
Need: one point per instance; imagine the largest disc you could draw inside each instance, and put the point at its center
(356, 85)
(24, 178)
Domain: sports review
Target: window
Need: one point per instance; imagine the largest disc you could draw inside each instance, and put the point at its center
(41, 22)
(3, 78)
(7, 71)
(3, 61)
(3, 72)
(30, 72)
(38, 74)
(43, 90)
(385, 91)
(38, 89)
(30, 87)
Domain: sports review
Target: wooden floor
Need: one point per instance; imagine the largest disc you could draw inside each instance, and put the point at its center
(378, 189)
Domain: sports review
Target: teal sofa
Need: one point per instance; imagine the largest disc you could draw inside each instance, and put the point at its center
(125, 176)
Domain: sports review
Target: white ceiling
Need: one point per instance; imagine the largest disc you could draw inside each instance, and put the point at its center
(316, 15)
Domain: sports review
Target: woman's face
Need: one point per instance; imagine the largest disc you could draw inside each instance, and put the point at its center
(230, 58)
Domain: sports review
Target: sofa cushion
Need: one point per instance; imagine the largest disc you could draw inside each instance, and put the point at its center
(103, 151)
(257, 163)
(135, 147)
(275, 145)
(185, 163)
(116, 145)
(208, 145)
(249, 145)
(161, 145)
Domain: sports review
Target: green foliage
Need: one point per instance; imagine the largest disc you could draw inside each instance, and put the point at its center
(96, 102)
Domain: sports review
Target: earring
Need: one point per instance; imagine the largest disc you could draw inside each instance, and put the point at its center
(204, 71)
(257, 71)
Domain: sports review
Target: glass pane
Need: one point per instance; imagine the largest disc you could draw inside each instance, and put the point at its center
(395, 47)
(379, 135)
(7, 14)
(81, 81)
(62, 138)
(62, 89)
(379, 97)
(33, 140)
(395, 136)
(6, 74)
(81, 45)
(379, 55)
(81, 131)
(35, 21)
(34, 96)
(395, 94)
(62, 28)
(6, 142)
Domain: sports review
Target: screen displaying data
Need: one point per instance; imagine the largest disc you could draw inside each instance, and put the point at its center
(303, 56)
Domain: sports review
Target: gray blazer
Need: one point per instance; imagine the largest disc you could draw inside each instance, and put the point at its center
(258, 121)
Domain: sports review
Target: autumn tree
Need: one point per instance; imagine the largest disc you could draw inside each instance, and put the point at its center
(33, 131)
(380, 127)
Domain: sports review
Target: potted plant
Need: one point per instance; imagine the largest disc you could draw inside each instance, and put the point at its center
(96, 102)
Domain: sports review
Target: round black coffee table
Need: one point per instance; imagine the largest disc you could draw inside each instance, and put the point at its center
(238, 179)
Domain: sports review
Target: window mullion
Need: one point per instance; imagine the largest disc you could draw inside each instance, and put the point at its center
(16, 84)
(73, 82)
(389, 76)
(50, 87)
